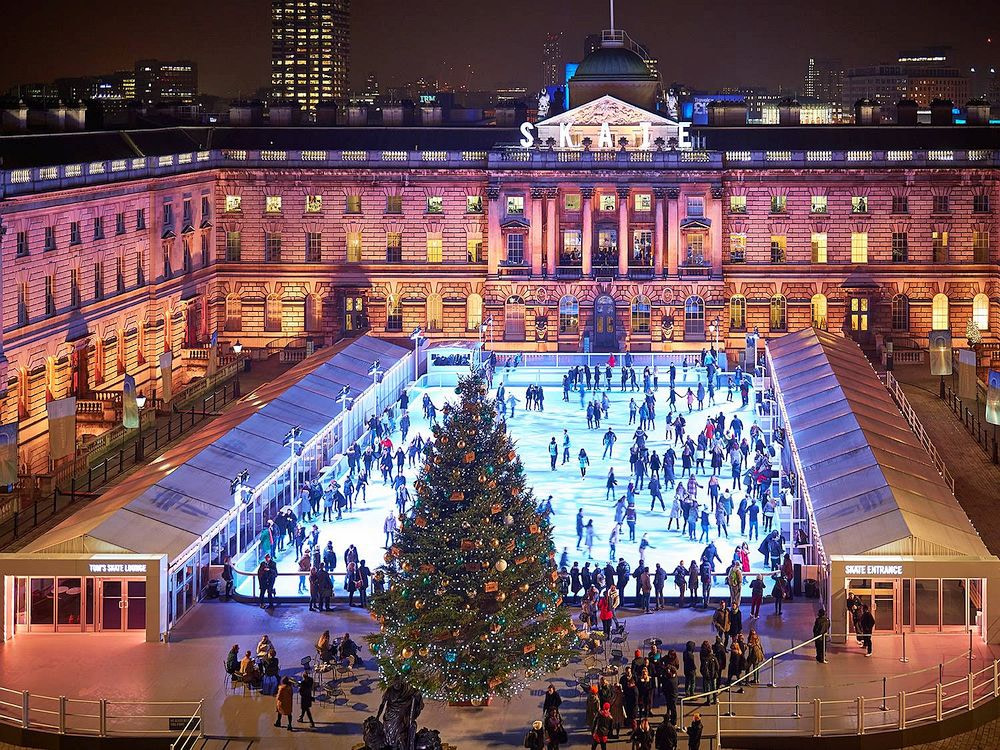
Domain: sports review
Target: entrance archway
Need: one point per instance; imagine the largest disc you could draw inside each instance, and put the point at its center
(605, 334)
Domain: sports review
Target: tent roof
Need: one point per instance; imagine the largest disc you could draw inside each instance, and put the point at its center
(166, 505)
(872, 485)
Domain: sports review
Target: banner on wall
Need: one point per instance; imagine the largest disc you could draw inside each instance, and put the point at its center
(939, 343)
(130, 409)
(213, 353)
(8, 453)
(993, 397)
(167, 376)
(967, 386)
(62, 427)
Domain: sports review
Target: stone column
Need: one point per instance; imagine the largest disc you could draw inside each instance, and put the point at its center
(535, 232)
(623, 239)
(551, 231)
(587, 208)
(493, 235)
(659, 237)
(715, 214)
(673, 230)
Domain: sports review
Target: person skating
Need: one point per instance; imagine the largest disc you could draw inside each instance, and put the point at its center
(553, 453)
(584, 461)
(579, 527)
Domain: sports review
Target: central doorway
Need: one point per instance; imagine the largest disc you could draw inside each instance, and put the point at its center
(605, 336)
(883, 597)
(122, 604)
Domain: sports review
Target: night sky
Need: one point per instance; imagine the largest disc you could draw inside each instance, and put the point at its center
(702, 44)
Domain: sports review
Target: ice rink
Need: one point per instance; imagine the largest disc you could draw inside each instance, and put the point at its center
(533, 430)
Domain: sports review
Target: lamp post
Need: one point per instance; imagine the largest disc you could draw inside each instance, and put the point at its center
(344, 399)
(237, 349)
(375, 371)
(714, 328)
(140, 450)
(294, 446)
(416, 337)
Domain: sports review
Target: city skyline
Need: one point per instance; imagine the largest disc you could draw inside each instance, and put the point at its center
(391, 41)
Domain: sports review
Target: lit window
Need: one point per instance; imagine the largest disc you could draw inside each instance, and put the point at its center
(939, 313)
(515, 249)
(859, 247)
(695, 206)
(695, 249)
(572, 202)
(474, 249)
(394, 204)
(233, 203)
(778, 318)
(393, 247)
(435, 247)
(642, 247)
(778, 245)
(572, 248)
(473, 312)
(817, 242)
(738, 204)
(818, 308)
(473, 204)
(779, 203)
(859, 313)
(817, 204)
(737, 248)
(737, 313)
(980, 246)
(515, 205)
(354, 247)
(607, 202)
(981, 311)
(643, 202)
(314, 204)
(939, 246)
(569, 314)
(859, 204)
(272, 204)
(641, 310)
(435, 204)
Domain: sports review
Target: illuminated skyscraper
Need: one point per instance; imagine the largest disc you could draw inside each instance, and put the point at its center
(158, 81)
(552, 60)
(310, 50)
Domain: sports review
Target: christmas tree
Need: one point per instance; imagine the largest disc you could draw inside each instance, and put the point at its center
(472, 606)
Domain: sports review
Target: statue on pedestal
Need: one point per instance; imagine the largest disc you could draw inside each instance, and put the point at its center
(394, 727)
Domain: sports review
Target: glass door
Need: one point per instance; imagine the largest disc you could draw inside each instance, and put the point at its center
(69, 605)
(887, 610)
(135, 605)
(112, 604)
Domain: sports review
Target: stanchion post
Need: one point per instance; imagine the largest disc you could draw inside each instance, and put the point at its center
(795, 709)
(817, 717)
(883, 695)
(901, 719)
(903, 657)
(860, 700)
(25, 708)
(972, 690)
(62, 714)
(772, 673)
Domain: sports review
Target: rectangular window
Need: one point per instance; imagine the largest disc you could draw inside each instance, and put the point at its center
(394, 204)
(233, 247)
(778, 245)
(900, 204)
(188, 220)
(272, 247)
(981, 203)
(119, 275)
(737, 204)
(140, 219)
(859, 204)
(607, 201)
(642, 247)
(572, 202)
(74, 288)
(353, 204)
(779, 204)
(859, 247)
(98, 281)
(817, 243)
(394, 247)
(120, 223)
(473, 204)
(204, 249)
(394, 316)
(695, 250)
(74, 233)
(737, 248)
(515, 249)
(22, 244)
(695, 206)
(206, 208)
(168, 215)
(50, 296)
(817, 204)
(50, 238)
(643, 202)
(314, 204)
(140, 269)
(515, 205)
(939, 245)
(272, 204)
(474, 249)
(234, 204)
(435, 204)
(941, 204)
(314, 247)
(354, 247)
(900, 247)
(186, 256)
(980, 246)
(99, 228)
(572, 248)
(435, 247)
(22, 304)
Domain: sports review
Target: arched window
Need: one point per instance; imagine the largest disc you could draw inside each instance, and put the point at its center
(435, 312)
(818, 307)
(737, 313)
(393, 314)
(939, 313)
(272, 313)
(569, 314)
(779, 313)
(694, 318)
(513, 319)
(981, 311)
(314, 312)
(234, 314)
(473, 312)
(640, 314)
(900, 313)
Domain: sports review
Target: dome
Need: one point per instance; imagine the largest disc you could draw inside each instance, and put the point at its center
(616, 63)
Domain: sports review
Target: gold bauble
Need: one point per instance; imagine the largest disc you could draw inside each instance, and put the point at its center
(501, 596)
(461, 443)
(406, 653)
(424, 651)
(419, 604)
(494, 543)
(523, 587)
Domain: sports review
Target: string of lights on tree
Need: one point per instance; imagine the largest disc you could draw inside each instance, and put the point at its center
(471, 608)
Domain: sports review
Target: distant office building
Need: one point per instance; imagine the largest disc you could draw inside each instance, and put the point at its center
(310, 51)
(552, 59)
(824, 79)
(159, 81)
(922, 75)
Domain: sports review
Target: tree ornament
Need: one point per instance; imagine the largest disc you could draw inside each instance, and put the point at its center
(523, 588)
(437, 460)
(469, 457)
(508, 520)
(423, 652)
(482, 479)
(501, 565)
(418, 603)
(444, 440)
(461, 443)
(405, 667)
(495, 543)
(451, 656)
(501, 597)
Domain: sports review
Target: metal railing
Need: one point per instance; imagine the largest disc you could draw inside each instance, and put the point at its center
(918, 429)
(102, 717)
(981, 431)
